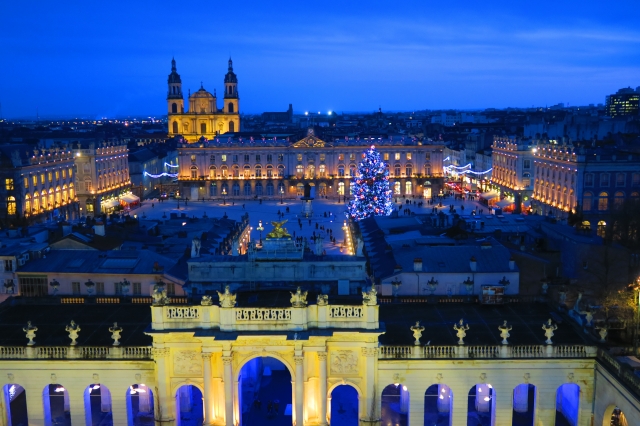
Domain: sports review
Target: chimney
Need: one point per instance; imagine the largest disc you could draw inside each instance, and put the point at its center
(417, 264)
(512, 263)
(473, 264)
(98, 229)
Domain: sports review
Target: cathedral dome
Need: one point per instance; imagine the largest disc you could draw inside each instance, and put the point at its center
(201, 93)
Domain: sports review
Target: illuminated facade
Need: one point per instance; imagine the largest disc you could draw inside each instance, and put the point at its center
(102, 175)
(36, 183)
(202, 118)
(237, 168)
(206, 363)
(568, 179)
(624, 103)
(513, 171)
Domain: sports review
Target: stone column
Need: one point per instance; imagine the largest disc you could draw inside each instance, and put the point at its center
(299, 386)
(370, 386)
(228, 390)
(166, 402)
(322, 361)
(208, 391)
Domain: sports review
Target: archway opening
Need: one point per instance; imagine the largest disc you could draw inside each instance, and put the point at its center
(481, 407)
(567, 400)
(57, 410)
(97, 405)
(140, 405)
(344, 406)
(618, 418)
(438, 400)
(15, 402)
(395, 405)
(189, 406)
(265, 391)
(524, 400)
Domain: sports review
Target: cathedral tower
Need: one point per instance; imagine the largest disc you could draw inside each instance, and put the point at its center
(231, 97)
(175, 100)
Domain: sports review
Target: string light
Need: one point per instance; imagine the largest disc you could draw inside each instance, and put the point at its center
(170, 165)
(163, 174)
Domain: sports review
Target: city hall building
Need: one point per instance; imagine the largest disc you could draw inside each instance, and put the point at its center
(290, 358)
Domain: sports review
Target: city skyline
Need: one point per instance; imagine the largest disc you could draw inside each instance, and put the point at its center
(319, 59)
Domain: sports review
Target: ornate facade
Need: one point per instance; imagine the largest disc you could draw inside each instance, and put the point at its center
(202, 118)
(209, 351)
(277, 168)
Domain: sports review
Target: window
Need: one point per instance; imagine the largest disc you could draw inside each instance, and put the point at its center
(299, 170)
(137, 288)
(50, 176)
(232, 127)
(427, 156)
(57, 175)
(236, 172)
(269, 158)
(603, 202)
(340, 171)
(352, 157)
(299, 157)
(322, 157)
(34, 286)
(88, 186)
(396, 188)
(212, 159)
(408, 156)
(8, 265)
(280, 158)
(407, 188)
(385, 156)
(257, 158)
(409, 170)
(258, 171)
(42, 179)
(203, 128)
(396, 171)
(281, 171)
(70, 173)
(340, 157)
(341, 187)
(223, 157)
(174, 107)
(212, 172)
(269, 171)
(194, 172)
(247, 171)
(35, 180)
(604, 179)
(620, 179)
(193, 159)
(246, 158)
(8, 183)
(100, 288)
(75, 288)
(247, 188)
(64, 173)
(235, 158)
(618, 200)
(588, 178)
(526, 164)
(171, 289)
(635, 179)
(397, 156)
(322, 170)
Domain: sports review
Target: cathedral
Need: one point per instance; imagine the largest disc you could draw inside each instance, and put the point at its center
(202, 117)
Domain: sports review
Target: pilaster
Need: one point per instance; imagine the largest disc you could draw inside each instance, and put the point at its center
(322, 361)
(299, 390)
(208, 389)
(227, 361)
(166, 403)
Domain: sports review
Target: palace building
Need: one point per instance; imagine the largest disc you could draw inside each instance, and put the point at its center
(287, 358)
(226, 167)
(202, 118)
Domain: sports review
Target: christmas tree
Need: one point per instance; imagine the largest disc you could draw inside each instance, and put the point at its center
(370, 186)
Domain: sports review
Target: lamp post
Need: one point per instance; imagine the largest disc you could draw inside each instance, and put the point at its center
(260, 228)
(281, 194)
(224, 196)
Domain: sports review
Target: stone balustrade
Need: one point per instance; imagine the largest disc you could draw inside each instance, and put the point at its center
(76, 352)
(487, 352)
(277, 319)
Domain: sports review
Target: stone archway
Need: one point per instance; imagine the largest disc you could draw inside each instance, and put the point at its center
(344, 403)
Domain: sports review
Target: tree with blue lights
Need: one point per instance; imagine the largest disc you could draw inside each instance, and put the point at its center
(370, 186)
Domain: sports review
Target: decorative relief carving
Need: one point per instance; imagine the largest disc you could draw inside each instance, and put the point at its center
(187, 362)
(322, 356)
(227, 360)
(206, 355)
(160, 352)
(263, 314)
(370, 352)
(183, 312)
(344, 362)
(299, 360)
(346, 312)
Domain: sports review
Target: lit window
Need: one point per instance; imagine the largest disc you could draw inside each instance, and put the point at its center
(397, 156)
(408, 156)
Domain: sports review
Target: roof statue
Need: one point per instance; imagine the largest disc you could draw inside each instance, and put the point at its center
(278, 231)
(30, 330)
(370, 297)
(116, 334)
(73, 329)
(299, 298)
(227, 299)
(549, 327)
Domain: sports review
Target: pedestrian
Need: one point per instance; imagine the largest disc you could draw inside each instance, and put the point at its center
(243, 207)
(276, 406)
(152, 206)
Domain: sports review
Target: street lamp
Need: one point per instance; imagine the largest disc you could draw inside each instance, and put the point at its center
(281, 194)
(260, 228)
(224, 196)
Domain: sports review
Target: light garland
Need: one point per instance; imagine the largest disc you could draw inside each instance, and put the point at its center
(163, 174)
(170, 165)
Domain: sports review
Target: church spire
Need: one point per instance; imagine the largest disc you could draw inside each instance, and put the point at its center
(230, 64)
(173, 65)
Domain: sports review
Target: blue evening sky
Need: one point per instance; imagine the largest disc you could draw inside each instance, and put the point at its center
(112, 58)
